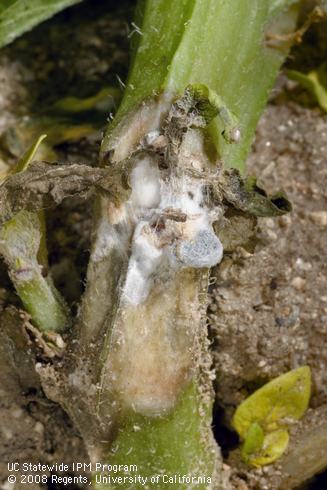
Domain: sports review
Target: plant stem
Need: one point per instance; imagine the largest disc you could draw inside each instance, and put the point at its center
(221, 45)
(21, 244)
(212, 42)
(175, 443)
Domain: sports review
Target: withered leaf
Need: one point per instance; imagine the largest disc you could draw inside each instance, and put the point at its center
(247, 196)
(45, 185)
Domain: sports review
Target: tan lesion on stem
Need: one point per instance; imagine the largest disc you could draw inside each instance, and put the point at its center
(153, 346)
(146, 295)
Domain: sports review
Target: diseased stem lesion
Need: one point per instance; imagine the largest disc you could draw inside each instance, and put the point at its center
(136, 380)
(145, 302)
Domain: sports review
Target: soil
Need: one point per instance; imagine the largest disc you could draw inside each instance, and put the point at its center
(268, 307)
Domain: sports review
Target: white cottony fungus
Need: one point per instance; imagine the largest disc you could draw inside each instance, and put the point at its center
(145, 183)
(137, 285)
(109, 238)
(166, 228)
(144, 261)
(185, 237)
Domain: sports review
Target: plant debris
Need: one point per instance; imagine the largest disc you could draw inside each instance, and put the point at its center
(45, 185)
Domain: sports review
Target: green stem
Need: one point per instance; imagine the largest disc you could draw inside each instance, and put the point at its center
(220, 45)
(213, 42)
(42, 301)
(22, 244)
(164, 450)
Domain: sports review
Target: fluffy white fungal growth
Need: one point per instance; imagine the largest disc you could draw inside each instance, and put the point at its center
(144, 261)
(109, 238)
(145, 183)
(137, 286)
(151, 137)
(184, 238)
(171, 235)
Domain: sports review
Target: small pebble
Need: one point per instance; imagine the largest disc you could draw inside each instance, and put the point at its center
(298, 283)
(272, 236)
(285, 221)
(39, 428)
(241, 485)
(17, 413)
(60, 342)
(319, 218)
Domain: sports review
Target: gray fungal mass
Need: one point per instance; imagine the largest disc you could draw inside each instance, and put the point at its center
(204, 250)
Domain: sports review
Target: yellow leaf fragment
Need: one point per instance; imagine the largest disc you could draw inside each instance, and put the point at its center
(253, 441)
(274, 444)
(97, 101)
(25, 160)
(270, 410)
(314, 82)
(28, 156)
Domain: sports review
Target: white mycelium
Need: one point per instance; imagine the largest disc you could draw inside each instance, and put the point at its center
(165, 232)
(146, 257)
(173, 227)
(145, 183)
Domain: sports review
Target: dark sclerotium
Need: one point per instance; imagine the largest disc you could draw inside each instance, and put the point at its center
(205, 250)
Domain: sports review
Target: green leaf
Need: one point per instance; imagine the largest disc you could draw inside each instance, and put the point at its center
(260, 449)
(25, 160)
(269, 411)
(253, 441)
(273, 446)
(19, 16)
(284, 397)
(28, 156)
(314, 82)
